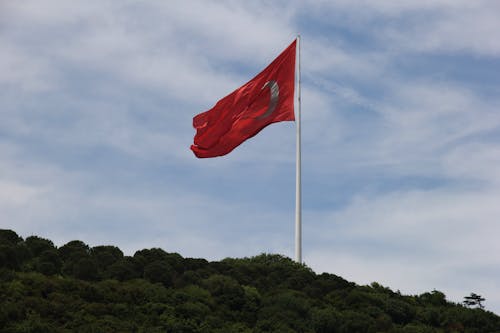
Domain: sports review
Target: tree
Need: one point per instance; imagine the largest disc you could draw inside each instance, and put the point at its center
(159, 271)
(434, 298)
(75, 288)
(474, 300)
(9, 237)
(226, 291)
(86, 269)
(12, 256)
(105, 256)
(71, 253)
(123, 269)
(325, 320)
(48, 262)
(74, 249)
(37, 245)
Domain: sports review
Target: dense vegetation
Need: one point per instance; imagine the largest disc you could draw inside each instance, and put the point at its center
(76, 288)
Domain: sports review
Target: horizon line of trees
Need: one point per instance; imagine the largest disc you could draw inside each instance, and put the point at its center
(77, 288)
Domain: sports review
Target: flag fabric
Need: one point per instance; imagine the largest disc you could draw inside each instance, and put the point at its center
(267, 98)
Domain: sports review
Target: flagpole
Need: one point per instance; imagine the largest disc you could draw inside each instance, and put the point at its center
(298, 182)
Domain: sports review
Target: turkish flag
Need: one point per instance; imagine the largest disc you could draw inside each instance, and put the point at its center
(267, 98)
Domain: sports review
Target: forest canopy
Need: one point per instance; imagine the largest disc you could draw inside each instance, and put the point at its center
(78, 288)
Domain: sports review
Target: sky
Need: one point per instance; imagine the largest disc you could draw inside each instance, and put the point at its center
(400, 134)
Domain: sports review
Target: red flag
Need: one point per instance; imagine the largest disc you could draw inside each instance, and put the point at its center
(265, 99)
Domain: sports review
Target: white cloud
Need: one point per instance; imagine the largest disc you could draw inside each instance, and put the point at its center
(322, 57)
(21, 72)
(153, 53)
(471, 27)
(424, 26)
(16, 195)
(414, 241)
(117, 83)
(432, 115)
(476, 161)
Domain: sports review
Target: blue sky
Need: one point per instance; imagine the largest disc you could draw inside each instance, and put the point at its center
(401, 133)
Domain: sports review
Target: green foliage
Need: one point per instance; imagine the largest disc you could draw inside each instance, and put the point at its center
(9, 237)
(159, 271)
(123, 269)
(435, 297)
(76, 288)
(85, 269)
(74, 249)
(38, 245)
(9, 257)
(13, 250)
(48, 262)
(474, 300)
(105, 256)
(325, 320)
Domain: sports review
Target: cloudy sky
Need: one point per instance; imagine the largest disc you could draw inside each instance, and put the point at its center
(401, 134)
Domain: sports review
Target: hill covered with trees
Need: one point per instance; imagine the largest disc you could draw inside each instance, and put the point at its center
(77, 288)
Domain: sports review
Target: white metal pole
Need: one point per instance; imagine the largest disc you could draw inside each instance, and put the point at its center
(298, 184)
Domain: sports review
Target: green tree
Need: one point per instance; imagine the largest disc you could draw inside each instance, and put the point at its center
(159, 271)
(8, 257)
(38, 245)
(74, 249)
(9, 237)
(86, 269)
(434, 298)
(104, 257)
(151, 255)
(474, 300)
(100, 290)
(226, 290)
(48, 262)
(400, 311)
(355, 322)
(123, 269)
(325, 320)
(71, 254)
